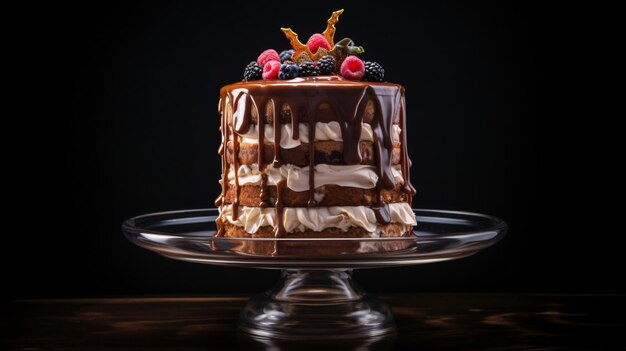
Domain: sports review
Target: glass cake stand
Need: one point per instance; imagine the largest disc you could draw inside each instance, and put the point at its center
(316, 295)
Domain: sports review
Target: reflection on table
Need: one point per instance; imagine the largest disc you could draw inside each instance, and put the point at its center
(425, 321)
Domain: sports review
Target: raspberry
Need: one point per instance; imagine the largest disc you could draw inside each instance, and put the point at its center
(286, 55)
(317, 41)
(253, 71)
(352, 68)
(288, 71)
(271, 69)
(267, 56)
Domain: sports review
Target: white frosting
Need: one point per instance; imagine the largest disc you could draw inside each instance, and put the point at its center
(356, 176)
(323, 132)
(318, 218)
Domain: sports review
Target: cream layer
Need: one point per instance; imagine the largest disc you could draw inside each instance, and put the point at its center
(323, 132)
(318, 218)
(356, 176)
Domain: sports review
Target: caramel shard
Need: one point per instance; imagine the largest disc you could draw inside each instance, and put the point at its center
(301, 51)
(329, 33)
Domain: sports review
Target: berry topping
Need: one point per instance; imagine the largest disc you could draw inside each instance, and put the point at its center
(253, 71)
(267, 56)
(374, 72)
(317, 41)
(288, 71)
(351, 68)
(321, 55)
(308, 69)
(326, 65)
(271, 69)
(286, 55)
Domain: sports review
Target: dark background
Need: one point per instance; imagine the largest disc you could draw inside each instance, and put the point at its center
(125, 122)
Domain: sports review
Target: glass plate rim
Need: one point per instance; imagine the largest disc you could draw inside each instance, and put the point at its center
(495, 225)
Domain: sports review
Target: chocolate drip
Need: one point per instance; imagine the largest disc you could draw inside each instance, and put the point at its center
(381, 210)
(295, 124)
(405, 161)
(279, 231)
(221, 229)
(222, 151)
(385, 106)
(236, 165)
(261, 129)
(261, 108)
(221, 108)
(278, 161)
(241, 120)
(265, 193)
(240, 125)
(351, 128)
(312, 113)
(385, 112)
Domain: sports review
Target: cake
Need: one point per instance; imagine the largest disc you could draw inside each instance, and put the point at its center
(314, 145)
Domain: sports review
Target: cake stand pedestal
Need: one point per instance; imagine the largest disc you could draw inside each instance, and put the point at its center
(316, 296)
(314, 303)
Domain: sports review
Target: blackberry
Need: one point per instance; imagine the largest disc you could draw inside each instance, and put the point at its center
(326, 65)
(374, 72)
(288, 71)
(253, 71)
(308, 69)
(286, 55)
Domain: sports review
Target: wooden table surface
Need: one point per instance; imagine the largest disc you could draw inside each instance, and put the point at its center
(425, 321)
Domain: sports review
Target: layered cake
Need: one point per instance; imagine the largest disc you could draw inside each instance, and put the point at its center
(314, 145)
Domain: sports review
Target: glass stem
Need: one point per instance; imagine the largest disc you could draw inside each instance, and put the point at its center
(316, 286)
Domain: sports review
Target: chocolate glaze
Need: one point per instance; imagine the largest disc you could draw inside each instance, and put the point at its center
(351, 129)
(222, 152)
(304, 96)
(263, 202)
(278, 161)
(383, 146)
(295, 126)
(239, 127)
(279, 231)
(405, 161)
(312, 202)
(265, 193)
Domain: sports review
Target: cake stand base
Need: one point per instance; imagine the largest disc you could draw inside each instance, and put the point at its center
(314, 304)
(316, 298)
